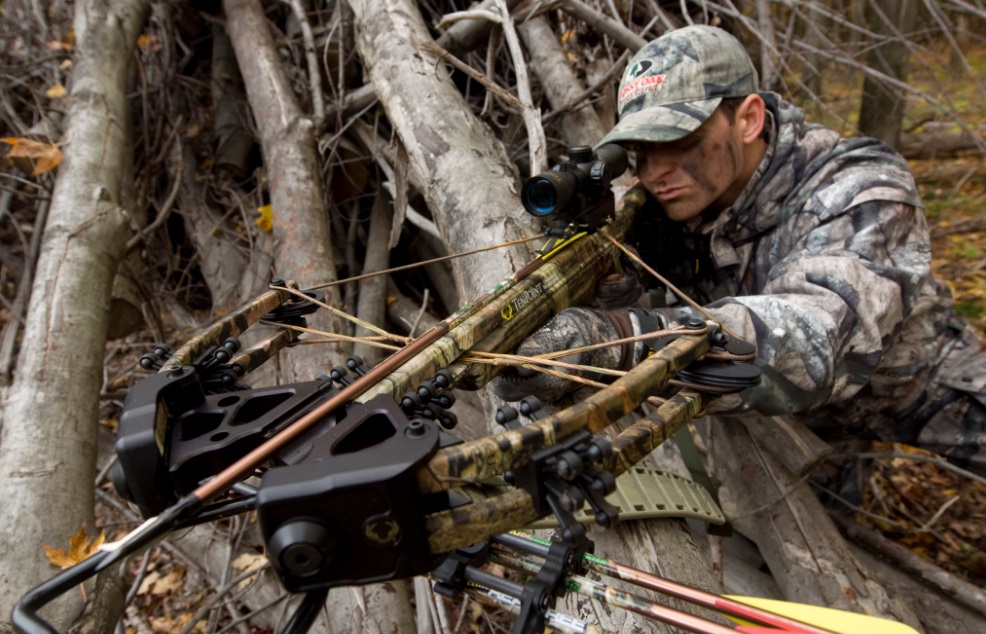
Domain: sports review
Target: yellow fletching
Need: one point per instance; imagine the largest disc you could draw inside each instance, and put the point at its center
(837, 621)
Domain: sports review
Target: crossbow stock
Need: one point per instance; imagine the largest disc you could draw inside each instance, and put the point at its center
(361, 478)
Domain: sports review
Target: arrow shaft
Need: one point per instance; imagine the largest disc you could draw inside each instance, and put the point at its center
(620, 599)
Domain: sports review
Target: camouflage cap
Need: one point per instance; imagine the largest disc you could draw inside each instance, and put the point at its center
(675, 83)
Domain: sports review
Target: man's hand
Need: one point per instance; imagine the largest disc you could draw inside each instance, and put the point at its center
(618, 290)
(571, 328)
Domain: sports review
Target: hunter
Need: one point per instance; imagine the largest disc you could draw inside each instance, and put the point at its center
(812, 246)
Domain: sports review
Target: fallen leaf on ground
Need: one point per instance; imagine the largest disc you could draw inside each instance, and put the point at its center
(248, 562)
(169, 582)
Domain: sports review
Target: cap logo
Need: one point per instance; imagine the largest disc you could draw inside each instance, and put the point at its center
(639, 68)
(639, 86)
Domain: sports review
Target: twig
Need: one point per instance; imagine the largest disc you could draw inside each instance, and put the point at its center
(422, 223)
(210, 603)
(616, 69)
(372, 299)
(537, 146)
(162, 215)
(487, 83)
(23, 296)
(311, 58)
(962, 591)
(417, 319)
(138, 578)
(394, 177)
(620, 34)
(935, 460)
(941, 510)
(247, 617)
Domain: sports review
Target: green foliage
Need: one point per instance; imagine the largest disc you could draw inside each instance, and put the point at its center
(966, 250)
(969, 308)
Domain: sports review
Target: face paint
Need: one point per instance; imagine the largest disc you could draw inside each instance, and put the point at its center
(701, 170)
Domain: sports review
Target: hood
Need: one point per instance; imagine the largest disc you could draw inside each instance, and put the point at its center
(807, 169)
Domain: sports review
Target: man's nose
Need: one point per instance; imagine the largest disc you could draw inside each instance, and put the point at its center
(656, 165)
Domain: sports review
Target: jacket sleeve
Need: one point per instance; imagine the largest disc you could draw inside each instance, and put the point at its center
(850, 303)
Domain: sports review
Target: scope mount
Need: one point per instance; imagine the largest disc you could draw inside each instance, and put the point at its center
(575, 196)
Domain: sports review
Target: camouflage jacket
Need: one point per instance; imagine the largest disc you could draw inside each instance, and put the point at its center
(824, 262)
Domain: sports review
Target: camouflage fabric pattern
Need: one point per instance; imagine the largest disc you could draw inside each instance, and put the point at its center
(824, 262)
(569, 329)
(675, 83)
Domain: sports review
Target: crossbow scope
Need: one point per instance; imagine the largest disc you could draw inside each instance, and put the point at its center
(578, 190)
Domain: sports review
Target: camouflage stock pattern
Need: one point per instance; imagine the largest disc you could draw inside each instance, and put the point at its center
(495, 454)
(479, 520)
(252, 358)
(645, 435)
(470, 462)
(230, 326)
(520, 307)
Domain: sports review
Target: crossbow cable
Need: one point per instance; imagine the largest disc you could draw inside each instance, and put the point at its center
(331, 452)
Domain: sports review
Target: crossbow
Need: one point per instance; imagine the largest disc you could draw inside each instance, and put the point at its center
(361, 478)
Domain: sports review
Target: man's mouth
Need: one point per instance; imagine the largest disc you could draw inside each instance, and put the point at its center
(668, 193)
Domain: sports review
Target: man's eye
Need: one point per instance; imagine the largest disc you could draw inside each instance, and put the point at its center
(688, 143)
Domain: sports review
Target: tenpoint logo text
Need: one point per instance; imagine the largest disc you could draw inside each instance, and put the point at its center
(518, 303)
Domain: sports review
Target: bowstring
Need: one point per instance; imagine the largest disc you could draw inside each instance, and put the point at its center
(663, 280)
(545, 363)
(444, 258)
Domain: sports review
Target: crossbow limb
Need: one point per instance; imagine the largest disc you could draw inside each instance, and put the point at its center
(358, 489)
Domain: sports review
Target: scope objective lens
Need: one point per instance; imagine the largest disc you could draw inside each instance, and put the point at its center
(539, 196)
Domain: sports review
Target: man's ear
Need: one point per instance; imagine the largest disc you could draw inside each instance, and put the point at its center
(750, 116)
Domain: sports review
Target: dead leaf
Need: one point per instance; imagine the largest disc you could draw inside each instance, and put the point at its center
(148, 582)
(169, 582)
(248, 562)
(266, 219)
(80, 548)
(46, 156)
(164, 624)
(56, 92)
(149, 43)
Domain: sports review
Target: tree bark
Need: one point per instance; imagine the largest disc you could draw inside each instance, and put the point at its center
(561, 86)
(303, 249)
(462, 171)
(882, 107)
(372, 298)
(776, 509)
(48, 443)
